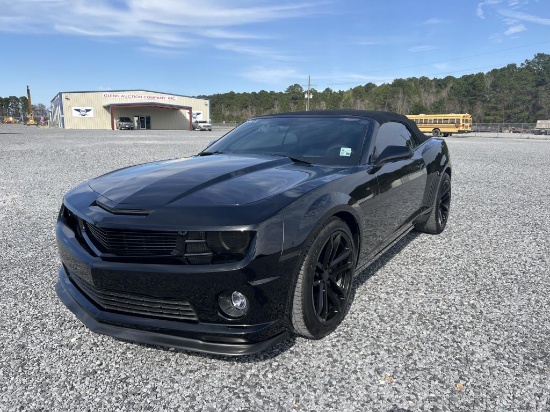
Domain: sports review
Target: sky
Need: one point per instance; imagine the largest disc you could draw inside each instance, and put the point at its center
(205, 47)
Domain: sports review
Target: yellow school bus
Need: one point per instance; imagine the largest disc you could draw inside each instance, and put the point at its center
(443, 124)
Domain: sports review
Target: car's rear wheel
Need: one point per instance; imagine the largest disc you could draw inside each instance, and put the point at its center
(323, 287)
(441, 207)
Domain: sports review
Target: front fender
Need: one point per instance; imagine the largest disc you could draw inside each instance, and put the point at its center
(305, 216)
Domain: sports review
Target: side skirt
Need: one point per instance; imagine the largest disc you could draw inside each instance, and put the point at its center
(369, 262)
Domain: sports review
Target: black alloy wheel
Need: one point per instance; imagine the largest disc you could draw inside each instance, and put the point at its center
(444, 200)
(439, 215)
(323, 287)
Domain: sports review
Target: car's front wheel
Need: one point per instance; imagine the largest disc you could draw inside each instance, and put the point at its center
(440, 209)
(323, 287)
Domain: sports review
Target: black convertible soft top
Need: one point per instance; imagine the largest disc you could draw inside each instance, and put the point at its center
(380, 116)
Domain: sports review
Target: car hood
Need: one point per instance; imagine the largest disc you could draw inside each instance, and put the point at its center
(216, 180)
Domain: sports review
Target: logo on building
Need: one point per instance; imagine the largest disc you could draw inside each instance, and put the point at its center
(83, 112)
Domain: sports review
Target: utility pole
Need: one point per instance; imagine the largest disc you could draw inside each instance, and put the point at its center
(308, 93)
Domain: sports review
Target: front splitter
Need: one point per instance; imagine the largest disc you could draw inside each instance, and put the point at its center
(155, 338)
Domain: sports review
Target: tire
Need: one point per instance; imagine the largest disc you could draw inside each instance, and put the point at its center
(436, 132)
(323, 286)
(440, 209)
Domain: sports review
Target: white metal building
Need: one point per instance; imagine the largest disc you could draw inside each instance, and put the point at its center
(147, 109)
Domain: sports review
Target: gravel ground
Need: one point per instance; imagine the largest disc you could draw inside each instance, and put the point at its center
(458, 322)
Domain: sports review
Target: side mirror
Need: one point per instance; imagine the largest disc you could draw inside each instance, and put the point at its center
(394, 153)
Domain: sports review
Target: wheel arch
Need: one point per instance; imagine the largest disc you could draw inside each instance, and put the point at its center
(301, 224)
(351, 221)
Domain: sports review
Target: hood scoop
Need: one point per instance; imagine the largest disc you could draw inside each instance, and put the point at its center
(111, 207)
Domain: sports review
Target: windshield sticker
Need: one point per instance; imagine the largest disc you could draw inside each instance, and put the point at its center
(345, 151)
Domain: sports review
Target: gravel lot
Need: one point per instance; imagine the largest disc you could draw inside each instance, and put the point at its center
(459, 321)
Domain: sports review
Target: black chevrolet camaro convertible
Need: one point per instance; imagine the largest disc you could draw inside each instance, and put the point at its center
(255, 238)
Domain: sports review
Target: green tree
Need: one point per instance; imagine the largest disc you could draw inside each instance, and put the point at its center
(511, 94)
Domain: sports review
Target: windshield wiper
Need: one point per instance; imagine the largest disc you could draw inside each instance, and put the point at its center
(206, 153)
(298, 160)
(294, 159)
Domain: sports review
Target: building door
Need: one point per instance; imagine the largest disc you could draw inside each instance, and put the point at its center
(144, 122)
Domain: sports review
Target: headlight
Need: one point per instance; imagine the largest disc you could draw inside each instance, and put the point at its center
(203, 248)
(235, 242)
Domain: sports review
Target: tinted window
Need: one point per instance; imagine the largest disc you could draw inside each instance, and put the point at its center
(393, 134)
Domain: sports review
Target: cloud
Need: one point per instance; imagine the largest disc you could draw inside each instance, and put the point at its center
(166, 22)
(525, 17)
(514, 3)
(432, 21)
(422, 48)
(518, 28)
(479, 10)
(509, 12)
(231, 35)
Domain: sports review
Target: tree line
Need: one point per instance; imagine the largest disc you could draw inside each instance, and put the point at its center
(18, 107)
(511, 94)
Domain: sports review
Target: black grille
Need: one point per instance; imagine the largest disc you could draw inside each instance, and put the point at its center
(132, 242)
(137, 304)
(168, 247)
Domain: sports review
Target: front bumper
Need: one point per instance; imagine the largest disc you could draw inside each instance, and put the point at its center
(219, 339)
(176, 305)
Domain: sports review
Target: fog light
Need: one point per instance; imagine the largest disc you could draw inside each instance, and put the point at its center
(239, 300)
(233, 304)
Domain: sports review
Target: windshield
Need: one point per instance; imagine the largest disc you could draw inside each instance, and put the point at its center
(124, 119)
(314, 139)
